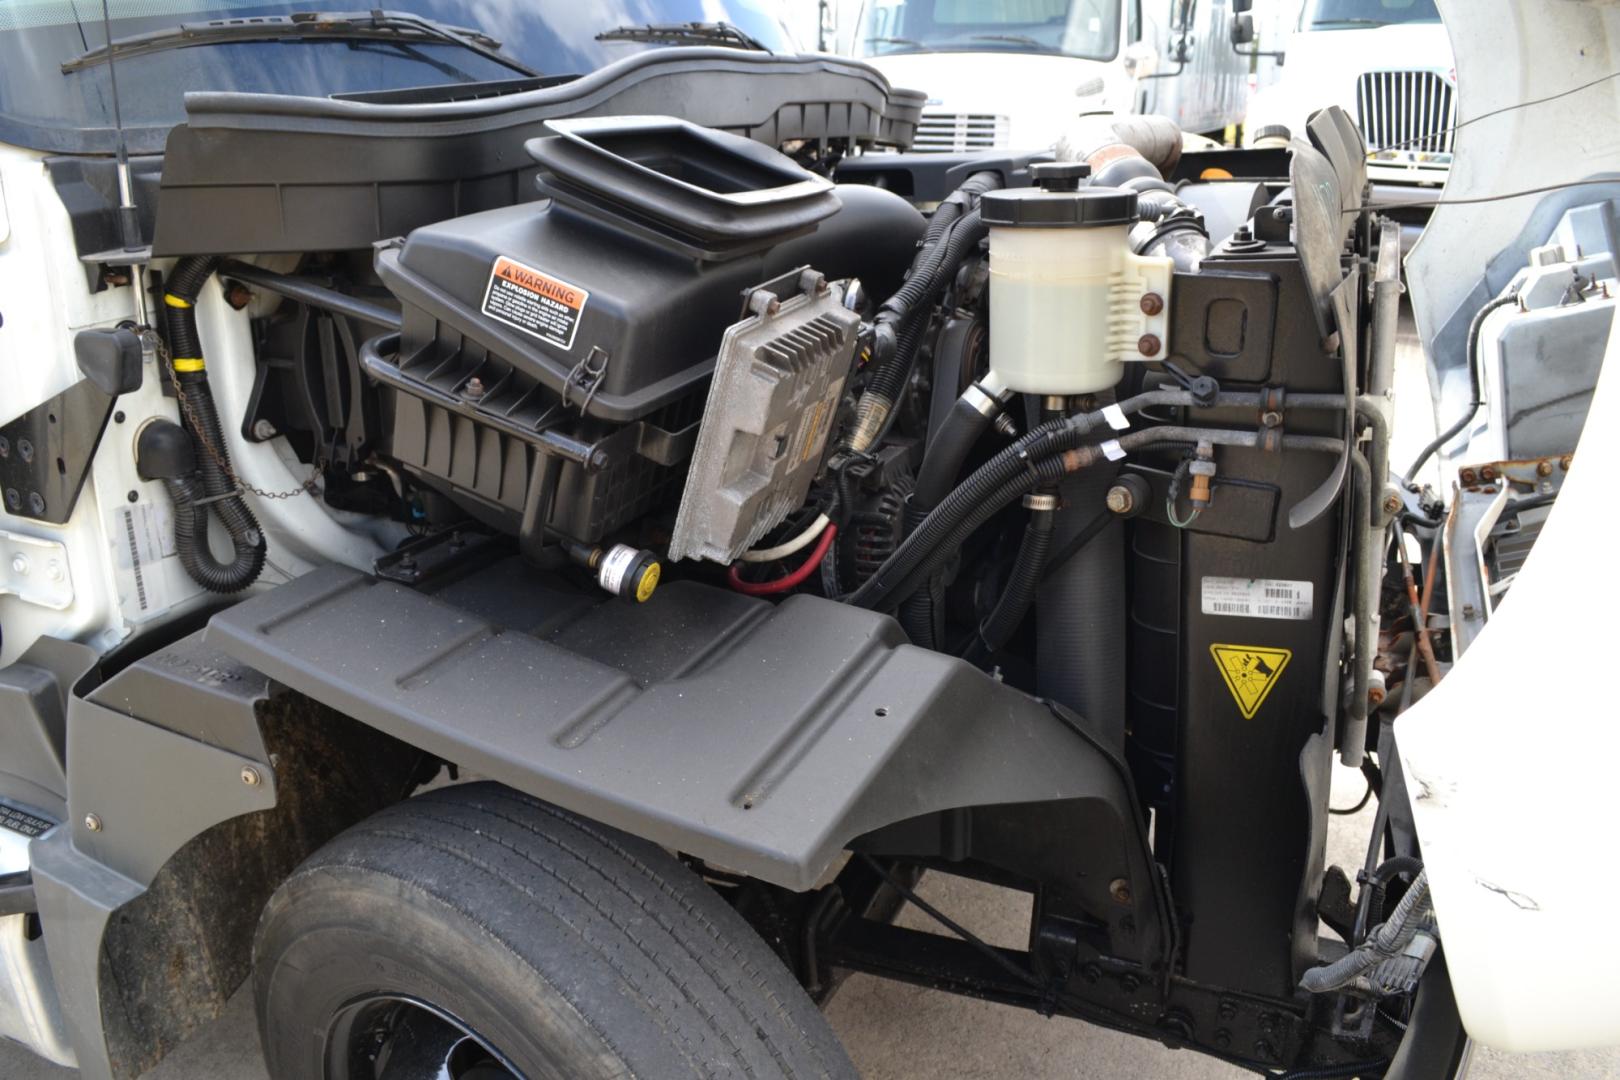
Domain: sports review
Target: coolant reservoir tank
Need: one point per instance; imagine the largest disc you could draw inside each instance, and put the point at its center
(1069, 302)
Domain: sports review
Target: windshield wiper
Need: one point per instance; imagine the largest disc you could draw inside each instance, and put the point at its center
(915, 44)
(1328, 23)
(300, 26)
(1016, 39)
(693, 33)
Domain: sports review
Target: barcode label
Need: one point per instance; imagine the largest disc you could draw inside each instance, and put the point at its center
(1257, 598)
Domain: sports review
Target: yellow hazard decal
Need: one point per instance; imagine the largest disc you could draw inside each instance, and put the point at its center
(1250, 673)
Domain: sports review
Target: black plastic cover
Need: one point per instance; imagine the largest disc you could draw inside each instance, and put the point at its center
(266, 173)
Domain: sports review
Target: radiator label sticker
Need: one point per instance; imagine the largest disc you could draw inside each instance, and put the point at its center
(534, 302)
(1250, 672)
(1258, 598)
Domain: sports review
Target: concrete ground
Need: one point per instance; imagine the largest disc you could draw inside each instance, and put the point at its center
(897, 1032)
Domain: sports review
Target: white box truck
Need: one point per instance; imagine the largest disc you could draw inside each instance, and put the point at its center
(1017, 73)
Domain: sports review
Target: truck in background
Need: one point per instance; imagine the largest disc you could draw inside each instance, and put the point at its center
(1386, 62)
(1017, 73)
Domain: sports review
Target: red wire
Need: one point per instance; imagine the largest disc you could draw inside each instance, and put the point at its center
(783, 584)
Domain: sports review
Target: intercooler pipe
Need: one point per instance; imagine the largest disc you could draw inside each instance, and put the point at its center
(1080, 618)
(952, 232)
(212, 471)
(1029, 567)
(1099, 140)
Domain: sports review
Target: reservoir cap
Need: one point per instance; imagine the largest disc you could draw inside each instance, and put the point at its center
(1038, 208)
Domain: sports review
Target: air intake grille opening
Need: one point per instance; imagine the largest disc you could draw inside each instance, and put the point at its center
(1406, 110)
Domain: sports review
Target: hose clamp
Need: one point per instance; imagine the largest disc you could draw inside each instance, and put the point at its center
(981, 402)
(1040, 500)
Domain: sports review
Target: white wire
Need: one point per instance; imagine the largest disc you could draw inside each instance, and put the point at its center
(798, 543)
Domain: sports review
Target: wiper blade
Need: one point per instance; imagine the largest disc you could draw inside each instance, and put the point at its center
(898, 41)
(1320, 23)
(377, 25)
(701, 33)
(1016, 39)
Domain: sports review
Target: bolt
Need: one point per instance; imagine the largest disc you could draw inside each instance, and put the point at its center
(1005, 425)
(1152, 304)
(251, 777)
(13, 499)
(1262, 1049)
(263, 430)
(1271, 418)
(133, 496)
(1488, 473)
(474, 388)
(118, 417)
(26, 449)
(1392, 503)
(1226, 1010)
(36, 503)
(1469, 611)
(1563, 462)
(1268, 1022)
(19, 565)
(1120, 499)
(1467, 476)
(54, 570)
(1223, 1038)
(1120, 889)
(5, 446)
(1091, 973)
(1543, 468)
(1148, 345)
(238, 295)
(92, 822)
(1375, 695)
(1130, 984)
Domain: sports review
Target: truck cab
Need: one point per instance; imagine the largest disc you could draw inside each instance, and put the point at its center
(1001, 75)
(1386, 62)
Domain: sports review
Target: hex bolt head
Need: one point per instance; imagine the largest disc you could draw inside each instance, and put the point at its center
(26, 449)
(1130, 984)
(1121, 500)
(1392, 503)
(1120, 890)
(251, 776)
(1223, 1038)
(1152, 304)
(1544, 468)
(54, 570)
(1148, 345)
(263, 430)
(19, 565)
(1466, 476)
(92, 822)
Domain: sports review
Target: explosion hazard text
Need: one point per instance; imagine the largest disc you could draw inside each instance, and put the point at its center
(534, 302)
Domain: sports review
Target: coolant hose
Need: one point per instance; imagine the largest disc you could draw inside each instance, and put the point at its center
(217, 483)
(1029, 566)
(165, 451)
(1080, 618)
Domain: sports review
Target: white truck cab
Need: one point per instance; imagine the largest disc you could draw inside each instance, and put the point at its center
(1017, 73)
(1386, 62)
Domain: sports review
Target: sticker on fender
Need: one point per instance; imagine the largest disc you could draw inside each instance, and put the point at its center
(1250, 672)
(534, 302)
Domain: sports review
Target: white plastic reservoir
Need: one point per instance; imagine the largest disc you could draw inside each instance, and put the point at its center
(1069, 302)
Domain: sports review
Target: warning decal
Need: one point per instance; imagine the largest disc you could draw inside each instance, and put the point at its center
(534, 302)
(1250, 673)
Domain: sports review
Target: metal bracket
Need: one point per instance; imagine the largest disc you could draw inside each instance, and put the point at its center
(35, 571)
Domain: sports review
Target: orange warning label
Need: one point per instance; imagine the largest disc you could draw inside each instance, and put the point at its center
(534, 302)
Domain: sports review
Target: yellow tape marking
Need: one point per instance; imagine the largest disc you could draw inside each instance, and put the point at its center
(188, 363)
(174, 301)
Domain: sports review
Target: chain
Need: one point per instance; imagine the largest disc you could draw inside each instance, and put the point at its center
(209, 448)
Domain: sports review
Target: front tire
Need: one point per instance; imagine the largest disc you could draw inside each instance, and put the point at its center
(480, 931)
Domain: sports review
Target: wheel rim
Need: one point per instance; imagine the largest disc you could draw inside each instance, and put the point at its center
(394, 1037)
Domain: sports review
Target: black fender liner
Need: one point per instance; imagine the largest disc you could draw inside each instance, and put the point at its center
(764, 739)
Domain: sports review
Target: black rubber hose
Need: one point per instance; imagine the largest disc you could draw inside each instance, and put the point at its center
(942, 462)
(1029, 566)
(908, 307)
(201, 416)
(1080, 622)
(1475, 383)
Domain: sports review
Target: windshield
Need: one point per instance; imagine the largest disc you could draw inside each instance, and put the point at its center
(44, 109)
(1351, 14)
(1084, 28)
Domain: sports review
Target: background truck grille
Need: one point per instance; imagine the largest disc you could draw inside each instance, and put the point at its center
(1409, 110)
(942, 132)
